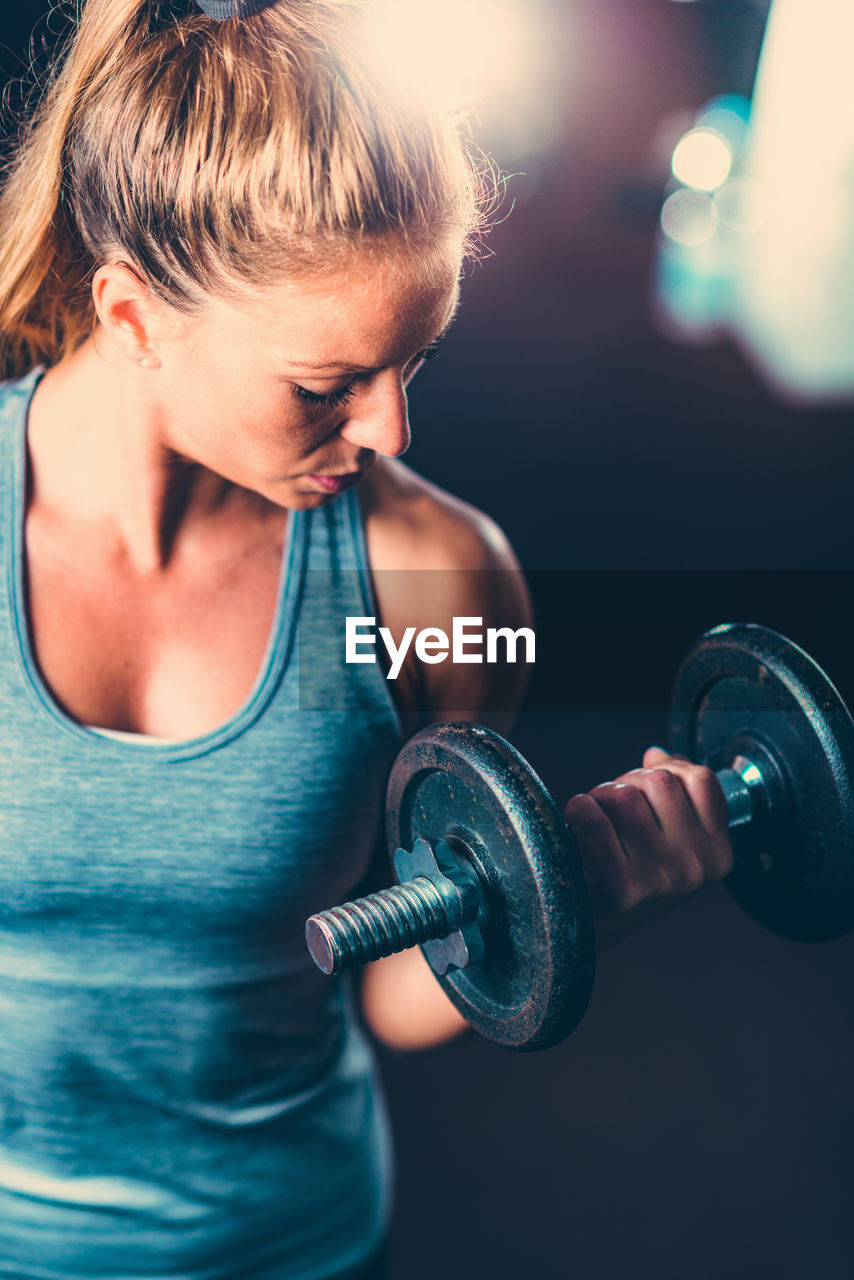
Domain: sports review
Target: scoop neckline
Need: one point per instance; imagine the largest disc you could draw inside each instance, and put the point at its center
(276, 655)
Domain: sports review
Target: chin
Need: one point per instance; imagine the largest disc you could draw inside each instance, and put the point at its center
(308, 499)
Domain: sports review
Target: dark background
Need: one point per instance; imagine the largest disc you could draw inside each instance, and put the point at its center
(699, 1122)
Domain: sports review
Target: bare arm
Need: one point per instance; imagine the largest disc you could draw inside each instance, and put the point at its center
(465, 568)
(647, 839)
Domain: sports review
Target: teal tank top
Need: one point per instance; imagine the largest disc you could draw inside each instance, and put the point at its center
(182, 1094)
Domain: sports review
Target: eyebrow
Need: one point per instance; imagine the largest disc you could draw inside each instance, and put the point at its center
(361, 368)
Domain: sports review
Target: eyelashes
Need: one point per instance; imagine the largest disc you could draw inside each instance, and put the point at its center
(429, 352)
(334, 399)
(330, 401)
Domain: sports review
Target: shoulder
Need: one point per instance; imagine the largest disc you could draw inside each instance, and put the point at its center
(435, 559)
(411, 523)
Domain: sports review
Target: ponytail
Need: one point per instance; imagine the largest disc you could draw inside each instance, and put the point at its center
(44, 266)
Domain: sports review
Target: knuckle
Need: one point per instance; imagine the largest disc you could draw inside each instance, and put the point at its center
(627, 796)
(579, 810)
(628, 896)
(681, 871)
(663, 782)
(724, 860)
(666, 881)
(693, 875)
(705, 783)
(714, 861)
(618, 798)
(654, 883)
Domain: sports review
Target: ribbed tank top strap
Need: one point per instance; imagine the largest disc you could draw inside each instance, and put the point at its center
(338, 585)
(14, 399)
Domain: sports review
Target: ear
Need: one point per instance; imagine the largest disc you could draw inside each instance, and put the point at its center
(129, 313)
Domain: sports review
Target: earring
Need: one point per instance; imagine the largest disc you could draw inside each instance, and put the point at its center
(147, 362)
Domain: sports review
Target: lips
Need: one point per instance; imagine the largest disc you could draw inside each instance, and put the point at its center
(335, 483)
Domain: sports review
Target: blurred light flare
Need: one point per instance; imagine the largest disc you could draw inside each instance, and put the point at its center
(702, 159)
(728, 115)
(476, 47)
(795, 298)
(689, 217)
(711, 212)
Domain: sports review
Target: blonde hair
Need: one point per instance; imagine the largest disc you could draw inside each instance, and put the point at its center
(208, 153)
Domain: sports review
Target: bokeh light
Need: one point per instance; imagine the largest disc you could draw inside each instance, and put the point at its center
(728, 115)
(496, 58)
(702, 159)
(475, 46)
(689, 218)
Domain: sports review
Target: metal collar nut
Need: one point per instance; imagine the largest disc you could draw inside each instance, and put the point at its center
(463, 895)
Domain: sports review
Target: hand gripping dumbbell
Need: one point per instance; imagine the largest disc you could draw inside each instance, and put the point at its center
(490, 881)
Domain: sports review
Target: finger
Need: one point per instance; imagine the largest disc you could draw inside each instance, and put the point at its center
(606, 864)
(635, 821)
(709, 803)
(640, 835)
(656, 824)
(667, 797)
(655, 757)
(704, 792)
(702, 827)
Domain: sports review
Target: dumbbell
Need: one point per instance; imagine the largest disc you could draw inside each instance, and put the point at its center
(490, 881)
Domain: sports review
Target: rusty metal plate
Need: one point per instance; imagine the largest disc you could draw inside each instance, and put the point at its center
(745, 690)
(465, 784)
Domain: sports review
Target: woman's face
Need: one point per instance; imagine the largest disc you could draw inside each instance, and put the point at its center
(296, 389)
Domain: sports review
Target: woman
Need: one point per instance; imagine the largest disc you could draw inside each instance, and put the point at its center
(225, 250)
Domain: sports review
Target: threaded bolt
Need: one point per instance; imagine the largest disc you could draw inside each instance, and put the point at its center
(383, 923)
(440, 902)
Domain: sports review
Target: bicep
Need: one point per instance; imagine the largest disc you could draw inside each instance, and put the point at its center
(489, 690)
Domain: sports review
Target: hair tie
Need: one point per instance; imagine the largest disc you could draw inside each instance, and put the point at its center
(222, 10)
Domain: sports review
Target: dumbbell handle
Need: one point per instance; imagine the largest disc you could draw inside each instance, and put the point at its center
(421, 909)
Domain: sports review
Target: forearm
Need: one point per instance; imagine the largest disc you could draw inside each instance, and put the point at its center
(404, 1005)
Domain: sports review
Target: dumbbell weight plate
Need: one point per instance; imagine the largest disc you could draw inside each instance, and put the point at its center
(745, 690)
(466, 785)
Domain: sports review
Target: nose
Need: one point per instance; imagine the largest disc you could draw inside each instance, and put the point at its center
(378, 418)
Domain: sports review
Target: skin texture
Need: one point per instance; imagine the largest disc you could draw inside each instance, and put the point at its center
(649, 838)
(165, 456)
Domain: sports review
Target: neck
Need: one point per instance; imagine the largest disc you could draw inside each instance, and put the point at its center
(100, 453)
